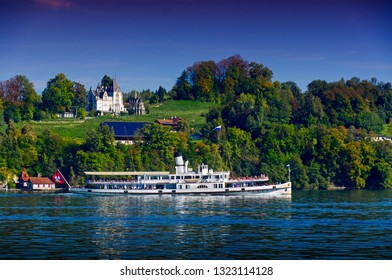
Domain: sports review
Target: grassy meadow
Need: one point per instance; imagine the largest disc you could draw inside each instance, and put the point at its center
(75, 129)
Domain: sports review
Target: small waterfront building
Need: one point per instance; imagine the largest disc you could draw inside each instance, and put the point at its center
(35, 183)
(41, 183)
(106, 100)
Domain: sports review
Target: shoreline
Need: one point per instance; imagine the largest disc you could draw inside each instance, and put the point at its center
(3, 190)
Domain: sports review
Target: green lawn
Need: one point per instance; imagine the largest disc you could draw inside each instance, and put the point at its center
(191, 111)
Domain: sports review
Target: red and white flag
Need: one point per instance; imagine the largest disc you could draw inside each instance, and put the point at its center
(58, 178)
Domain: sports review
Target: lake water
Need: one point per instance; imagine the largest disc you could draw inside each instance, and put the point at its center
(310, 225)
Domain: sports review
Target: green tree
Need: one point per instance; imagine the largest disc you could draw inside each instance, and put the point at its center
(27, 143)
(182, 88)
(80, 95)
(239, 111)
(107, 81)
(100, 140)
(161, 92)
(242, 153)
(1, 113)
(370, 121)
(58, 94)
(82, 113)
(358, 161)
(157, 144)
(50, 147)
(10, 152)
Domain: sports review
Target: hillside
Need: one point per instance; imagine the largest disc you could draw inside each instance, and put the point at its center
(192, 112)
(326, 134)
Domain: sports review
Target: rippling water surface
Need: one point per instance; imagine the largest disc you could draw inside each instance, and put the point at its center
(310, 225)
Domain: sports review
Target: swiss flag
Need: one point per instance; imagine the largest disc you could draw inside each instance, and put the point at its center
(58, 178)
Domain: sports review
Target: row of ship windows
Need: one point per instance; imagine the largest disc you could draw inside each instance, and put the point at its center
(196, 177)
(216, 186)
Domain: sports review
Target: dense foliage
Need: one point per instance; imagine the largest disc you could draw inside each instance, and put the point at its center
(326, 134)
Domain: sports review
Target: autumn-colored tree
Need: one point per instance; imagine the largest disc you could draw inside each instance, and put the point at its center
(19, 98)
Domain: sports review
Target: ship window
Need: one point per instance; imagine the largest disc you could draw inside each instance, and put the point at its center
(202, 187)
(215, 186)
(180, 187)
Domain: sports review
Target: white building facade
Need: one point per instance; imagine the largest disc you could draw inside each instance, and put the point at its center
(106, 100)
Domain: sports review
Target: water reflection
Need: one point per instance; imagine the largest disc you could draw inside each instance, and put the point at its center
(312, 225)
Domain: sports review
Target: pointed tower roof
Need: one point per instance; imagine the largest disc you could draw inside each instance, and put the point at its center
(116, 87)
(25, 177)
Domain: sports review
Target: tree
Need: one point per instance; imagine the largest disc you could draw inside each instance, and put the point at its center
(358, 161)
(182, 88)
(100, 140)
(204, 79)
(10, 153)
(312, 111)
(1, 113)
(19, 97)
(107, 81)
(82, 113)
(80, 95)
(50, 147)
(58, 95)
(370, 121)
(27, 143)
(161, 92)
(157, 144)
(381, 173)
(241, 152)
(238, 112)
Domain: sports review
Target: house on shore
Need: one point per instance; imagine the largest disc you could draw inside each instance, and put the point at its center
(35, 183)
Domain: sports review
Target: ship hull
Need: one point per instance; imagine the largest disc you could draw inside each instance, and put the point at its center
(268, 190)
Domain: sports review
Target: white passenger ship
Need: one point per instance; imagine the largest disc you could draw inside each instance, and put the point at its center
(184, 181)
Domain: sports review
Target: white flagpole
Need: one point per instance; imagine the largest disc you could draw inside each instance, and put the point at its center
(69, 186)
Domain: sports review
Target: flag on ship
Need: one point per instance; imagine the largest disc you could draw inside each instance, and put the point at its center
(218, 128)
(58, 178)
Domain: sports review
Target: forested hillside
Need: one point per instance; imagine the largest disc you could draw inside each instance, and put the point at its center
(326, 134)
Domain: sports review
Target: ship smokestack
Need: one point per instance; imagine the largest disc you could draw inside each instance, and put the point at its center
(179, 162)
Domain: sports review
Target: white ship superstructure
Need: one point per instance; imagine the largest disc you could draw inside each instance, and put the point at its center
(183, 181)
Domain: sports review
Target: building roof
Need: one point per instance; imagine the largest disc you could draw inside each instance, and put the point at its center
(41, 180)
(115, 86)
(124, 130)
(169, 122)
(24, 176)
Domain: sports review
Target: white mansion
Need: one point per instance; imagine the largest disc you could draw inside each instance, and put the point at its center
(106, 100)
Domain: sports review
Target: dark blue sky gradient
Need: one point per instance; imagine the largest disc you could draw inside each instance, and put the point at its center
(147, 43)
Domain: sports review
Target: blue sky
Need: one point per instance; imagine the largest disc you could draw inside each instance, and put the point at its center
(148, 43)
